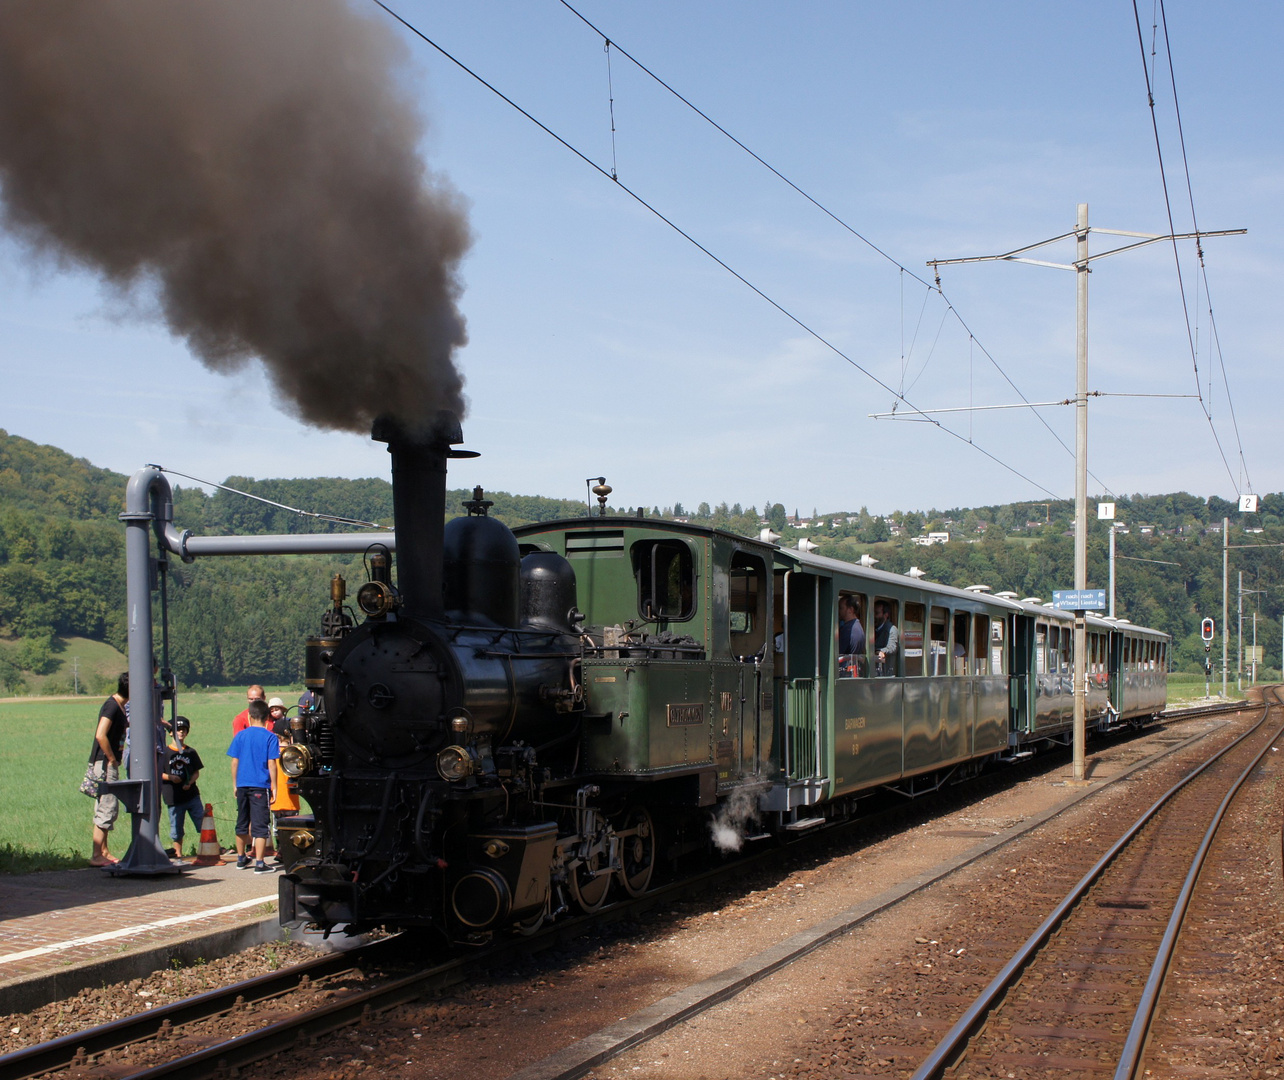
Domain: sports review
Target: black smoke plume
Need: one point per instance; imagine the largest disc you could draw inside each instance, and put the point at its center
(256, 164)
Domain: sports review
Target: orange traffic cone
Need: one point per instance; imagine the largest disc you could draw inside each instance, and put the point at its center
(209, 854)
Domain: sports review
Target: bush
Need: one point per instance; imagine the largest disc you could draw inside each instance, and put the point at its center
(11, 675)
(35, 653)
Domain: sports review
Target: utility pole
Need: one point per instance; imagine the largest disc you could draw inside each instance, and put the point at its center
(1239, 640)
(1081, 268)
(1080, 487)
(1225, 597)
(1253, 679)
(75, 674)
(1112, 569)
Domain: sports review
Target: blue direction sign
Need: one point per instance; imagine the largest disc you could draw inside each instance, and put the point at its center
(1079, 599)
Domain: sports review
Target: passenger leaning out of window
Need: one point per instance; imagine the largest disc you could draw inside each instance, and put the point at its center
(886, 639)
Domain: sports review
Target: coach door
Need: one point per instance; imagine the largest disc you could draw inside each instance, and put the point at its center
(1023, 673)
(748, 607)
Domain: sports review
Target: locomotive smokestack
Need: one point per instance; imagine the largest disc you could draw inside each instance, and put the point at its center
(419, 505)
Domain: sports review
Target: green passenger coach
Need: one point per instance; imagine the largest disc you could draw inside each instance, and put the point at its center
(712, 665)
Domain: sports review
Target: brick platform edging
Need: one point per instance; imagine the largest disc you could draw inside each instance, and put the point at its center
(33, 991)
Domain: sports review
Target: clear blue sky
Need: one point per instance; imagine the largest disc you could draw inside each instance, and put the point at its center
(603, 342)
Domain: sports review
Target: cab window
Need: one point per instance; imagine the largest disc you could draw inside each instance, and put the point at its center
(665, 574)
(747, 602)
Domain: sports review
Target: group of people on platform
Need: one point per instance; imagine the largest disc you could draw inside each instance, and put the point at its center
(264, 793)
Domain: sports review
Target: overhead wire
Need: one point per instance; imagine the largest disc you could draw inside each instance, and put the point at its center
(1203, 268)
(930, 287)
(701, 247)
(1163, 176)
(279, 505)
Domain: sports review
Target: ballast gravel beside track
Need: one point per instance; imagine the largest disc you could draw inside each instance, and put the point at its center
(469, 1031)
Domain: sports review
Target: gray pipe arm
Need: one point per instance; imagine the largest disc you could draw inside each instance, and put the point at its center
(189, 547)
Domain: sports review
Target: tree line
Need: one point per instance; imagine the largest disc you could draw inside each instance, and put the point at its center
(240, 620)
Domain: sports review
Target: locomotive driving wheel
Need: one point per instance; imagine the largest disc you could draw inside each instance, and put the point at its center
(636, 832)
(590, 882)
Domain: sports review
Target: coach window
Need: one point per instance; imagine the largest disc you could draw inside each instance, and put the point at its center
(885, 639)
(1067, 649)
(1040, 648)
(980, 642)
(747, 605)
(938, 661)
(665, 575)
(912, 640)
(1054, 649)
(996, 647)
(959, 652)
(853, 663)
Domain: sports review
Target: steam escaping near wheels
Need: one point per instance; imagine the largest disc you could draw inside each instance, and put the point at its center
(251, 172)
(729, 826)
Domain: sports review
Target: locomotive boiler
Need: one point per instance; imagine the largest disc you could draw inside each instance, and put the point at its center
(446, 730)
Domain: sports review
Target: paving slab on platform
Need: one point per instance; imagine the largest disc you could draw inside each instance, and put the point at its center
(52, 923)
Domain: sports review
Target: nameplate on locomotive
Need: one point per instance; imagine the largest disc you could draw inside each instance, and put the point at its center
(685, 715)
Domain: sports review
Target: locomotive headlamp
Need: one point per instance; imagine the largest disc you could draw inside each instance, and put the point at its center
(455, 763)
(375, 598)
(295, 760)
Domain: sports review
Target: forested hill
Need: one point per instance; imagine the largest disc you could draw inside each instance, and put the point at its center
(62, 567)
(62, 564)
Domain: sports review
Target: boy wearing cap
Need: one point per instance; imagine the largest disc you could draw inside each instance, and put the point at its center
(254, 752)
(178, 786)
(276, 717)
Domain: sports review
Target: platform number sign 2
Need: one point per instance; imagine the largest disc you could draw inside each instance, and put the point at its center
(1206, 632)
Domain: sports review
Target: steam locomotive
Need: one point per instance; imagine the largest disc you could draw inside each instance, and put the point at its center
(485, 755)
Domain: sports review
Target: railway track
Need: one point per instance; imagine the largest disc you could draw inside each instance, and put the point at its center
(162, 1042)
(1081, 993)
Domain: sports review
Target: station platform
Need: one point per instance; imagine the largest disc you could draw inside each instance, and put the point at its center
(64, 930)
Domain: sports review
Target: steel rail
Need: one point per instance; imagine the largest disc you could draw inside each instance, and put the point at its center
(1195, 711)
(956, 1039)
(273, 1038)
(1134, 1046)
(60, 1052)
(308, 1025)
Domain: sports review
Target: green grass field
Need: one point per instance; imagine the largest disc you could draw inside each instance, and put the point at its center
(45, 822)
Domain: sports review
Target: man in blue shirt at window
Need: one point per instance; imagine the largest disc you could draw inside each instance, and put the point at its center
(254, 752)
(851, 635)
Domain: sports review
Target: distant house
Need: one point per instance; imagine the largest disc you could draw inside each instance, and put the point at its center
(932, 538)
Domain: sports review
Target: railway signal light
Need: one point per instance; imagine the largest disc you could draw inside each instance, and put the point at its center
(1206, 632)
